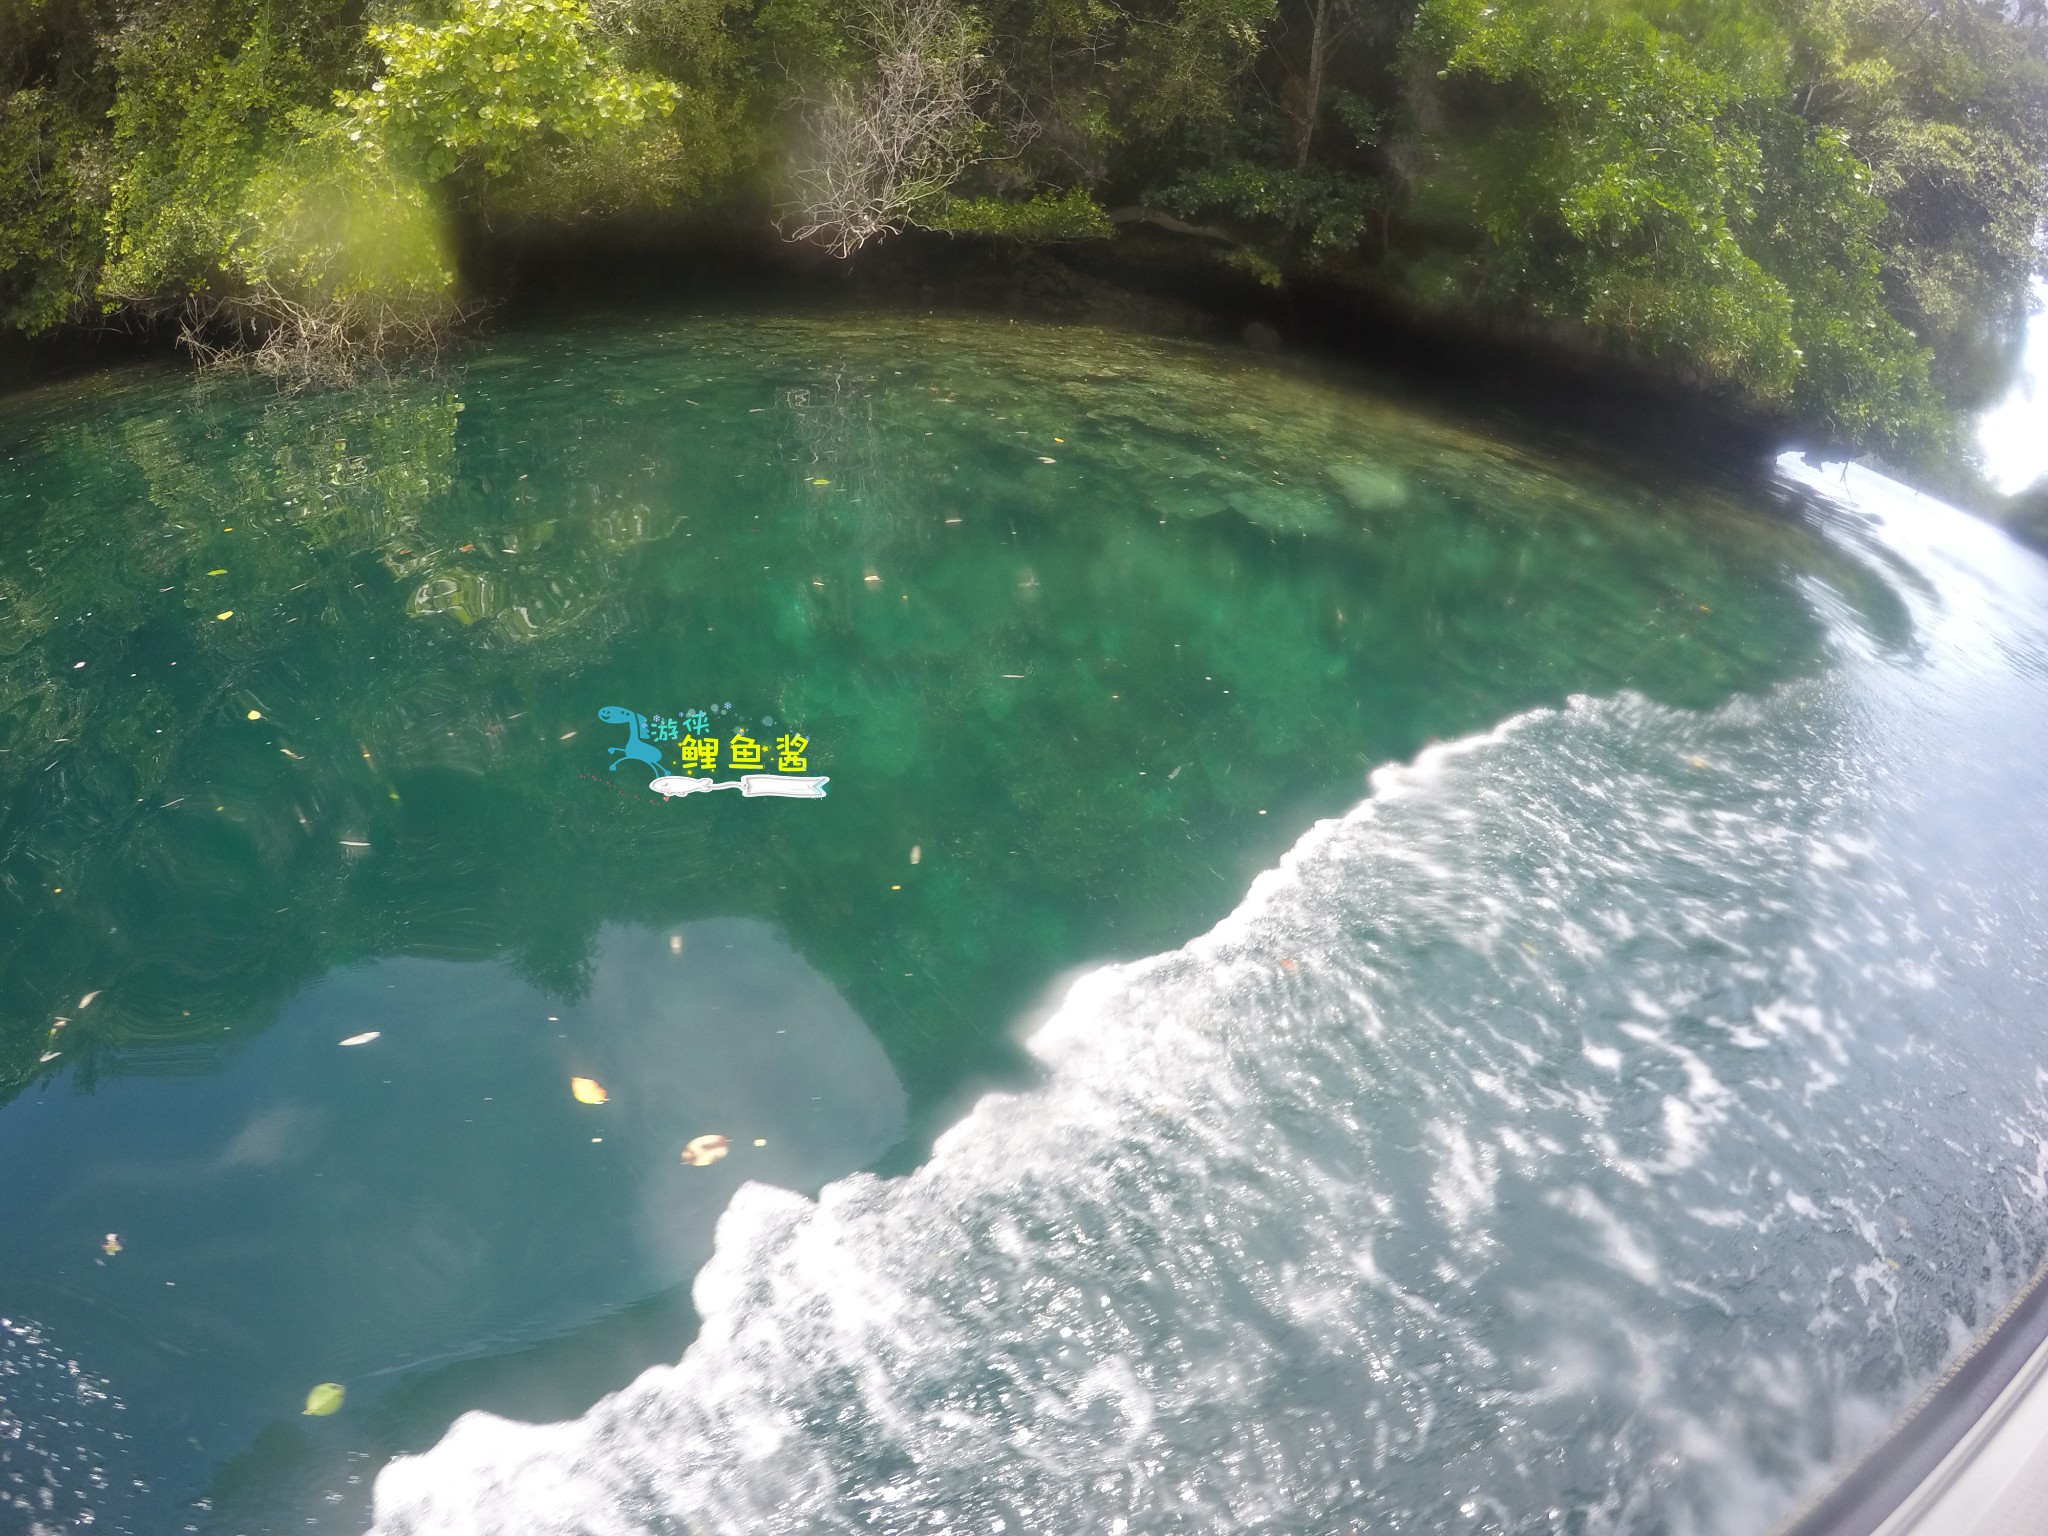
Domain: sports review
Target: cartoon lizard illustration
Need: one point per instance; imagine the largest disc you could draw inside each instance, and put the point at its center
(637, 748)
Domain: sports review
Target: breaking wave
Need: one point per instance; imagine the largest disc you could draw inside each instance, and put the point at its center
(1602, 1128)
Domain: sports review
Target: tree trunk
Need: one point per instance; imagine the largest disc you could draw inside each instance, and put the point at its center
(1312, 103)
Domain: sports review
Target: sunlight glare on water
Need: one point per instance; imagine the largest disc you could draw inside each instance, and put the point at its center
(2014, 434)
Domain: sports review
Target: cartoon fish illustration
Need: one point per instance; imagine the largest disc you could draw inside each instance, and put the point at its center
(752, 785)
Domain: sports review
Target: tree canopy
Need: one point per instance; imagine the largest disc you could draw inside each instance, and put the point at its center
(1830, 207)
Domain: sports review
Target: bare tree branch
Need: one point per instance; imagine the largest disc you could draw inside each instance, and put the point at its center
(882, 147)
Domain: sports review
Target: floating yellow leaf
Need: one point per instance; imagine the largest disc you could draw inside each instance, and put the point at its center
(325, 1399)
(217, 573)
(705, 1150)
(364, 1038)
(255, 714)
(229, 614)
(588, 1090)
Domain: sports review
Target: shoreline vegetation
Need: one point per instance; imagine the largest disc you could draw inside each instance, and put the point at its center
(1808, 219)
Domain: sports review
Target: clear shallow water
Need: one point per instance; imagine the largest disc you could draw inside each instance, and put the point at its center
(1531, 1150)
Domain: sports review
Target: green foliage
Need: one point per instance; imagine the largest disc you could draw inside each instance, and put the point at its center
(1828, 206)
(1861, 372)
(204, 95)
(1183, 59)
(1948, 107)
(715, 131)
(804, 39)
(55, 89)
(50, 199)
(1603, 179)
(326, 224)
(1318, 210)
(1050, 216)
(1638, 171)
(503, 89)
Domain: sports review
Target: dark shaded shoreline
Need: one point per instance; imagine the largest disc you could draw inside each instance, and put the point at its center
(1161, 284)
(1553, 382)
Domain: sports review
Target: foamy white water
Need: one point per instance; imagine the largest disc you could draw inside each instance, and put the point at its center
(1602, 1128)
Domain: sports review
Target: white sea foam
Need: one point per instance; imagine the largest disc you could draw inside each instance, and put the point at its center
(1529, 1149)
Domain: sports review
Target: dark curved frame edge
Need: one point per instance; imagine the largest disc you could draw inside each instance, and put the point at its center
(1886, 1475)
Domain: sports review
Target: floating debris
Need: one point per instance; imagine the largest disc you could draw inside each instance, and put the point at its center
(364, 1038)
(111, 1244)
(705, 1150)
(227, 613)
(916, 852)
(85, 1002)
(587, 1090)
(675, 943)
(325, 1399)
(255, 714)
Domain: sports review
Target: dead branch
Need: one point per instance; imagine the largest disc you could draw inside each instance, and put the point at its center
(880, 147)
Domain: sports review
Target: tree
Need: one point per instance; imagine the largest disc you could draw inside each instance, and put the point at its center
(1946, 103)
(502, 92)
(1634, 170)
(892, 135)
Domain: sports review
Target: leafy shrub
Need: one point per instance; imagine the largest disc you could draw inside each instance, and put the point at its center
(1634, 169)
(500, 90)
(1049, 216)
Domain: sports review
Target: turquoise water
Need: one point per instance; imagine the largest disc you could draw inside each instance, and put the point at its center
(1533, 1137)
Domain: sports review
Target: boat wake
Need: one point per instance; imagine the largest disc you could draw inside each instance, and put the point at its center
(1602, 1128)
